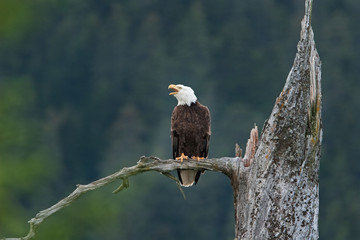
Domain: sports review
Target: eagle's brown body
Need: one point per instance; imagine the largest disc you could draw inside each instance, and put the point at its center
(190, 135)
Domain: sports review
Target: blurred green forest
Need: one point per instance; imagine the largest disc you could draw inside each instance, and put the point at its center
(83, 93)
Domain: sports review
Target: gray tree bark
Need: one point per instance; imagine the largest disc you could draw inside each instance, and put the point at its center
(276, 184)
(278, 198)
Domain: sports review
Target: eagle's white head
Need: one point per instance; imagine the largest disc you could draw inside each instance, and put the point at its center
(185, 95)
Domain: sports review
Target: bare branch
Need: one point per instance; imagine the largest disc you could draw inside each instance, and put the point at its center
(125, 184)
(224, 165)
(169, 175)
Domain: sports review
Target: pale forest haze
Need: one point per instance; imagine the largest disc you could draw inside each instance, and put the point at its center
(83, 93)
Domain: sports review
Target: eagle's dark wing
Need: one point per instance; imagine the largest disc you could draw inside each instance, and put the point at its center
(206, 140)
(205, 151)
(175, 144)
(175, 150)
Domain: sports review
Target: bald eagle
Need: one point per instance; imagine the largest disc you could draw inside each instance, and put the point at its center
(190, 131)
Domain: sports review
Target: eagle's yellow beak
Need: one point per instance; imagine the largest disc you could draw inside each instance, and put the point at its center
(173, 87)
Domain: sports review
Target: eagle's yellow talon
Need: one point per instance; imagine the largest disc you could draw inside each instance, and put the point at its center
(197, 158)
(182, 157)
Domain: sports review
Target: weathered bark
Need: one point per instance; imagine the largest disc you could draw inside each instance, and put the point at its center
(279, 197)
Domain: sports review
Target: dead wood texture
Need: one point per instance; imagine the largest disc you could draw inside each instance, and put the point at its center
(278, 198)
(276, 184)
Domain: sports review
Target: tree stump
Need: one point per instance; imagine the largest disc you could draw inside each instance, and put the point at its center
(278, 197)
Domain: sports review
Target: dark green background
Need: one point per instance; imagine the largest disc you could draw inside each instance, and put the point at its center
(83, 93)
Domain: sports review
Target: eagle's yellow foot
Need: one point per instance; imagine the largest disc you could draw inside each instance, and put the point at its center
(182, 157)
(197, 158)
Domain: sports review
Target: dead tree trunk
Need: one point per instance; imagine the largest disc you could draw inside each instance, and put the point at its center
(276, 185)
(278, 198)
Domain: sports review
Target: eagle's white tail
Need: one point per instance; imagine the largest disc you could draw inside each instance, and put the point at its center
(187, 177)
